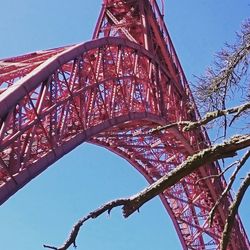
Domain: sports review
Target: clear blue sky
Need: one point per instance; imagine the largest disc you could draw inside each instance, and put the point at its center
(44, 211)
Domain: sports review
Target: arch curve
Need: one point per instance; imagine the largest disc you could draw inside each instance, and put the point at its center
(72, 96)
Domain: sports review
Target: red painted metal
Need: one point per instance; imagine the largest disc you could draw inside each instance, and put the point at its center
(112, 91)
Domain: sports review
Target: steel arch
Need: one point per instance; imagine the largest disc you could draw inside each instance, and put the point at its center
(73, 97)
(112, 92)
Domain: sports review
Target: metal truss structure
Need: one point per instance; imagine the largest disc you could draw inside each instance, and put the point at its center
(113, 91)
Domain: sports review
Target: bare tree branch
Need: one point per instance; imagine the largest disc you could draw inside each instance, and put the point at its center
(133, 203)
(92, 215)
(233, 209)
(226, 149)
(231, 181)
(210, 116)
(221, 82)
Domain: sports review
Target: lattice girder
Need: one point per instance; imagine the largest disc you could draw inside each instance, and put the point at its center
(86, 93)
(112, 92)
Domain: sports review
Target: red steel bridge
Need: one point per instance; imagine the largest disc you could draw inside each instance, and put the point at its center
(112, 91)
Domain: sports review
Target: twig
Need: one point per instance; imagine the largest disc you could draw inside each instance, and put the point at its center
(231, 181)
(239, 112)
(217, 175)
(160, 128)
(45, 246)
(92, 215)
(233, 209)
